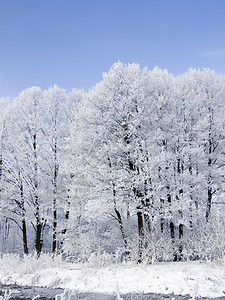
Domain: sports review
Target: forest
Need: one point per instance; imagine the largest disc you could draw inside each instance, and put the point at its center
(133, 169)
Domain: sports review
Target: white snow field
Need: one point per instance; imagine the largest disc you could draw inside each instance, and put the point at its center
(197, 279)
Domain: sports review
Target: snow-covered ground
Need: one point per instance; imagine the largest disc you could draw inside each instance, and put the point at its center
(193, 278)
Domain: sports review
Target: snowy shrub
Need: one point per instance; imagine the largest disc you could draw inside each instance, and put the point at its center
(12, 263)
(157, 249)
(91, 241)
(81, 242)
(100, 260)
(31, 262)
(154, 249)
(206, 242)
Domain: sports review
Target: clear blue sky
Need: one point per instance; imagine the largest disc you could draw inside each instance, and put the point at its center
(72, 42)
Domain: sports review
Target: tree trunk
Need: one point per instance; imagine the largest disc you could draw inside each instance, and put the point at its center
(210, 193)
(147, 205)
(54, 200)
(172, 227)
(54, 227)
(121, 226)
(140, 234)
(172, 231)
(118, 215)
(162, 220)
(181, 233)
(24, 227)
(210, 151)
(67, 214)
(180, 169)
(24, 231)
(38, 241)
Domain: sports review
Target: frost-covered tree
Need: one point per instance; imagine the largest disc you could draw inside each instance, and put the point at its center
(55, 118)
(57, 108)
(203, 93)
(118, 127)
(23, 162)
(4, 106)
(72, 196)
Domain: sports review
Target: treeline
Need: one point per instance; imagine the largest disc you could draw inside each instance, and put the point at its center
(134, 168)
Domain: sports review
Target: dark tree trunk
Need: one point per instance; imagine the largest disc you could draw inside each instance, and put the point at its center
(181, 233)
(211, 149)
(141, 234)
(38, 233)
(172, 227)
(24, 231)
(54, 200)
(38, 229)
(24, 227)
(118, 215)
(38, 241)
(64, 231)
(121, 226)
(180, 169)
(210, 192)
(162, 220)
(172, 231)
(147, 222)
(138, 195)
(191, 197)
(119, 219)
(147, 205)
(54, 227)
(209, 203)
